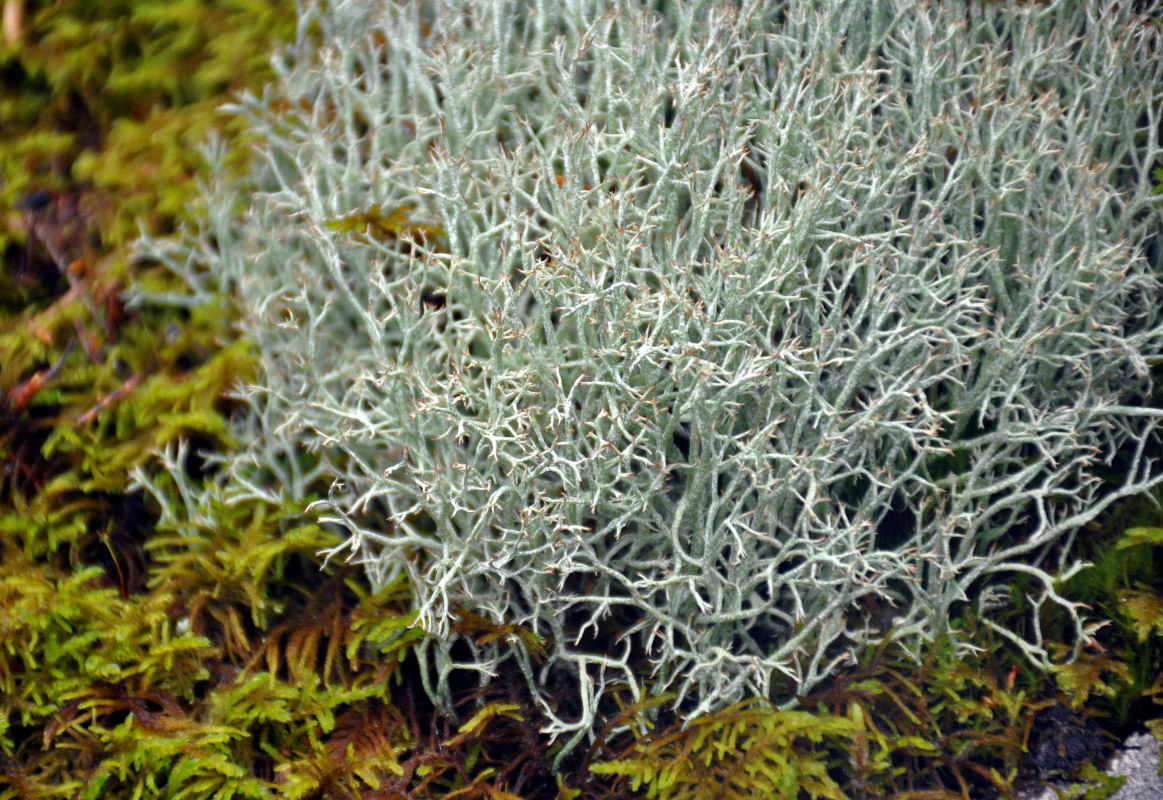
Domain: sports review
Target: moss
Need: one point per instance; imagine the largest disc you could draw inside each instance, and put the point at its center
(117, 96)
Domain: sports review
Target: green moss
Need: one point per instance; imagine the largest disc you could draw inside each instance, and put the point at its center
(746, 751)
(116, 96)
(1119, 671)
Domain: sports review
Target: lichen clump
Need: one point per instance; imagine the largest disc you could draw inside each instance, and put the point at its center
(686, 336)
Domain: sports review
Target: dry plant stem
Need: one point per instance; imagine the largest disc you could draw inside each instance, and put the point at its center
(13, 21)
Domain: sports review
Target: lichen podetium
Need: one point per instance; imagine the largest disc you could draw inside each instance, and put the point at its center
(704, 327)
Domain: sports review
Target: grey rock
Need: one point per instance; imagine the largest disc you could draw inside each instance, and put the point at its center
(1137, 758)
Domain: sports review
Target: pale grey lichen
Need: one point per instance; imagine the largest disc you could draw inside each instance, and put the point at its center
(743, 315)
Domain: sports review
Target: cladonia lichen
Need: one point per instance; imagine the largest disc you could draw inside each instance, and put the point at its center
(685, 336)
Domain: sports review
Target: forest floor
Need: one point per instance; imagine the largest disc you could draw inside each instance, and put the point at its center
(150, 648)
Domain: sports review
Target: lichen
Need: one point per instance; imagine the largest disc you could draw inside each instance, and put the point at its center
(689, 335)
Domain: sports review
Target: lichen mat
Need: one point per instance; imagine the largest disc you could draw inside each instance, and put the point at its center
(677, 339)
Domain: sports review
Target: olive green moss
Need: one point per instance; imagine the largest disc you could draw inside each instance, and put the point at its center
(116, 97)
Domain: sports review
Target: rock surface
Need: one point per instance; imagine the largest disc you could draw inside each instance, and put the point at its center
(1138, 759)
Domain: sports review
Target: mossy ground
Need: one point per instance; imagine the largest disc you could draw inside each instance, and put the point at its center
(153, 649)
